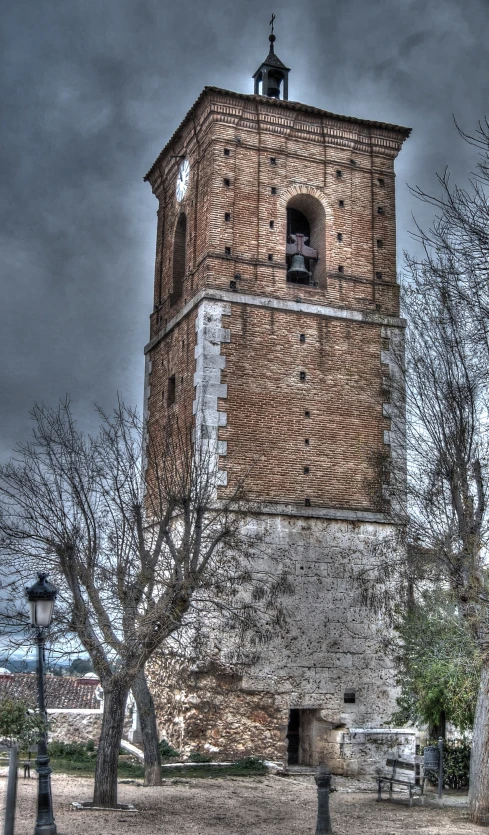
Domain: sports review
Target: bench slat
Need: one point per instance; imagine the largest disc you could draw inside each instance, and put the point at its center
(402, 764)
(395, 780)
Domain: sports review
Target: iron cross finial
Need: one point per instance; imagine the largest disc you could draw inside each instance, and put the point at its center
(271, 23)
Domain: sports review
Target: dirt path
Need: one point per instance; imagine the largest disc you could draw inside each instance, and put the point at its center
(269, 805)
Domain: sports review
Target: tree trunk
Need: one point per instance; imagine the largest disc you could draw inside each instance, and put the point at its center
(479, 759)
(149, 730)
(115, 698)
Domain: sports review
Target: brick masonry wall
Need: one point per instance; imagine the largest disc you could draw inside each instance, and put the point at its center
(330, 422)
(239, 149)
(308, 150)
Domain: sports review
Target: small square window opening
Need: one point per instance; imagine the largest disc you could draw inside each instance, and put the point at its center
(227, 216)
(380, 210)
(341, 268)
(380, 243)
(271, 224)
(302, 337)
(273, 160)
(307, 414)
(349, 697)
(306, 441)
(339, 236)
(341, 204)
(378, 276)
(227, 250)
(273, 189)
(302, 375)
(226, 182)
(226, 152)
(381, 181)
(306, 470)
(270, 256)
(339, 173)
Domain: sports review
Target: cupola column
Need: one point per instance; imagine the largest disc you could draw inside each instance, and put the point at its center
(273, 75)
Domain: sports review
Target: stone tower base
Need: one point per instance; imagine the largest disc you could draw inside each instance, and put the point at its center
(320, 676)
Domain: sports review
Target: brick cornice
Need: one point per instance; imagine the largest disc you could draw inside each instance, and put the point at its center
(363, 317)
(284, 117)
(328, 513)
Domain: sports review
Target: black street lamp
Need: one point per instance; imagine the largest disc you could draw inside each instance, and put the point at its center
(41, 597)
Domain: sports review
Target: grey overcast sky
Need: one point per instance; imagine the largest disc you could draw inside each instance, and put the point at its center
(92, 90)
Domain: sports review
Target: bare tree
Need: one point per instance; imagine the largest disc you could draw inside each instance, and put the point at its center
(448, 457)
(136, 543)
(456, 246)
(452, 408)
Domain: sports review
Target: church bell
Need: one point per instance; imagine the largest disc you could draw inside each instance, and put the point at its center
(298, 272)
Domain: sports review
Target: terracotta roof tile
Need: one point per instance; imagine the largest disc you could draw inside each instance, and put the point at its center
(61, 691)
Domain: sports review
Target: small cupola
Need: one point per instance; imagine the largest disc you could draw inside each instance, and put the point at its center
(272, 75)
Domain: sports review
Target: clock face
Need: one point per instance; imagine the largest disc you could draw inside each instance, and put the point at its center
(183, 179)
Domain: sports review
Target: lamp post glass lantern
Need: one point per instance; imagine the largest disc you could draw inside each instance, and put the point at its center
(41, 597)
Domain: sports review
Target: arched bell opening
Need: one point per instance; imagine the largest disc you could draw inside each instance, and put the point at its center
(271, 83)
(305, 247)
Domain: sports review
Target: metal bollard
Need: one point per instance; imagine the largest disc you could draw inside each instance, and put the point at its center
(323, 782)
(440, 768)
(11, 793)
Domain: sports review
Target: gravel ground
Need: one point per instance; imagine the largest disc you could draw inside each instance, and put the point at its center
(270, 805)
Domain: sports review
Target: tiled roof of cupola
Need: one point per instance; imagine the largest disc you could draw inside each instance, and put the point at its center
(62, 692)
(274, 61)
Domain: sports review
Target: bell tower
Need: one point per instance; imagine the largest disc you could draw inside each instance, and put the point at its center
(272, 77)
(276, 299)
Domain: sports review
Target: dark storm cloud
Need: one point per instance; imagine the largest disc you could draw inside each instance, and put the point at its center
(91, 91)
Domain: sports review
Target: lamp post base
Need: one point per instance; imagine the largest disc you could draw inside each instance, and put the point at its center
(45, 824)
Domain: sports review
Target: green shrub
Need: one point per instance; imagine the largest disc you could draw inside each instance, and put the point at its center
(456, 765)
(249, 765)
(166, 750)
(197, 757)
(72, 751)
(18, 723)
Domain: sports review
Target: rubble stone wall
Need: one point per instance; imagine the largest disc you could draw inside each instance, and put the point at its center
(330, 644)
(207, 711)
(73, 726)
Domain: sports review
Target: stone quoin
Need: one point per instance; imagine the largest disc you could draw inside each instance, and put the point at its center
(297, 364)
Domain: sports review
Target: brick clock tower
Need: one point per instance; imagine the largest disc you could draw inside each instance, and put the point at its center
(276, 296)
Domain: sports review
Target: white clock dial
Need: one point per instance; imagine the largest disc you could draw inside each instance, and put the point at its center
(183, 178)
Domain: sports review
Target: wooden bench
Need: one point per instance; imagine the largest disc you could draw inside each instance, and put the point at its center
(389, 779)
